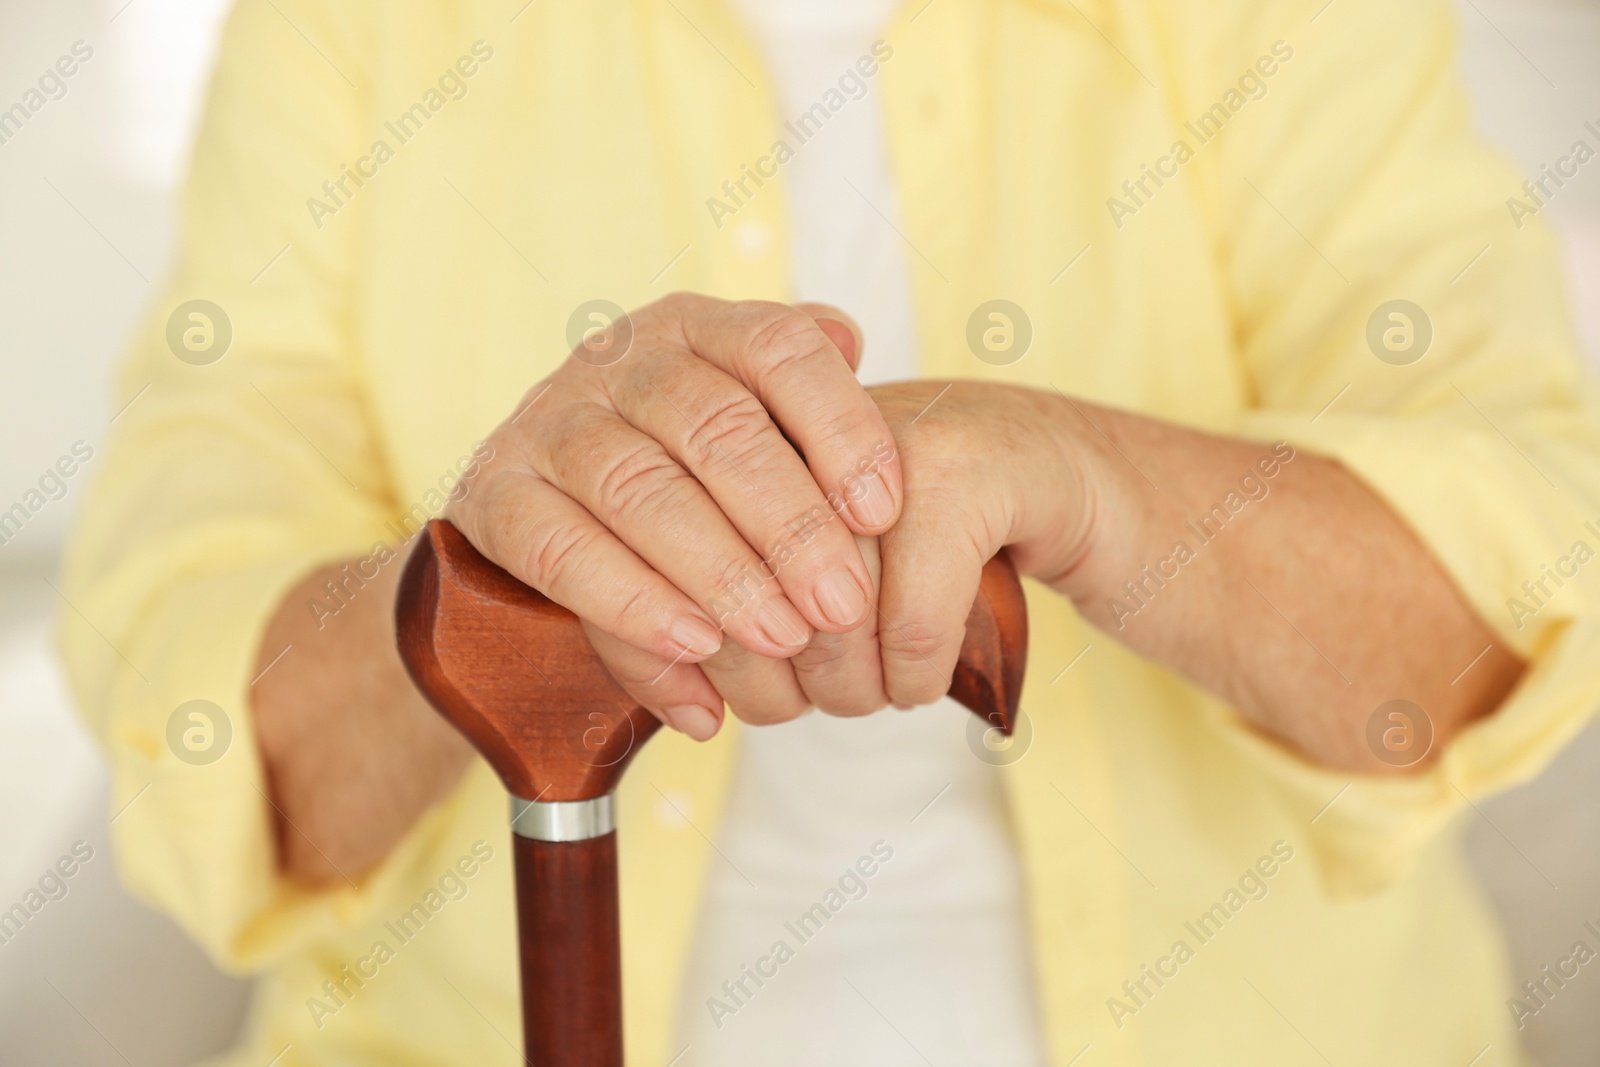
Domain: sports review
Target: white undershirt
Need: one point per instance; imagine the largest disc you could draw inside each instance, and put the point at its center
(931, 962)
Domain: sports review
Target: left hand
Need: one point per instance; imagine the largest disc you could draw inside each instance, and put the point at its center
(985, 466)
(1066, 486)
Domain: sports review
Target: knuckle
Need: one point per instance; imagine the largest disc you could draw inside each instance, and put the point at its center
(569, 436)
(739, 586)
(824, 653)
(670, 315)
(771, 711)
(780, 337)
(847, 702)
(548, 392)
(555, 553)
(913, 640)
(496, 518)
(639, 483)
(677, 302)
(913, 652)
(732, 428)
(774, 327)
(467, 510)
(917, 688)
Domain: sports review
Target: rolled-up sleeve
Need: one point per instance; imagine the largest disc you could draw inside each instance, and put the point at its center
(1358, 180)
(225, 480)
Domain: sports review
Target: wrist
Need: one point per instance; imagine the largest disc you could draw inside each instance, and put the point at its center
(1092, 512)
(1063, 492)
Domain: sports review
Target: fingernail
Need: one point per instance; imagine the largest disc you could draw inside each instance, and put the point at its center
(692, 719)
(840, 597)
(697, 635)
(876, 506)
(782, 624)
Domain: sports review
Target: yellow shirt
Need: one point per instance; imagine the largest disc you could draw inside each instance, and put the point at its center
(399, 206)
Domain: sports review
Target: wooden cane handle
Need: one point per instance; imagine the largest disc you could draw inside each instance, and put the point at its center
(515, 674)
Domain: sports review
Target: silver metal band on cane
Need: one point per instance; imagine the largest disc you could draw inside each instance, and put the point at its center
(563, 820)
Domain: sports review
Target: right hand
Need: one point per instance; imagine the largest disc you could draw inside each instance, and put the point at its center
(658, 499)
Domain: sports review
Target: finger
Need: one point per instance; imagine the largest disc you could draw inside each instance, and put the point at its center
(629, 481)
(675, 692)
(718, 431)
(842, 330)
(931, 570)
(800, 376)
(546, 540)
(842, 674)
(759, 691)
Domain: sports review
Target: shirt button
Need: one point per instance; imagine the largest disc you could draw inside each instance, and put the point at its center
(752, 238)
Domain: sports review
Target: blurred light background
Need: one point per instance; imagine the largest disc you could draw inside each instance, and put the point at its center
(86, 195)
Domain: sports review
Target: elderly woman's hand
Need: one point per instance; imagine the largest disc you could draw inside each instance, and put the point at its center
(985, 466)
(652, 485)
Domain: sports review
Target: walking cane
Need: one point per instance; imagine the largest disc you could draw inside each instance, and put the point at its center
(514, 673)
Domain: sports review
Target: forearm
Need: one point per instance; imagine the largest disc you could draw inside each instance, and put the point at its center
(1279, 582)
(353, 753)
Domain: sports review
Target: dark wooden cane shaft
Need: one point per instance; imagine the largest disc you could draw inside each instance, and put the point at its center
(571, 954)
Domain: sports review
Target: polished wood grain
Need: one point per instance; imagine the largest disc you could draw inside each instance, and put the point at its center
(514, 672)
(994, 653)
(571, 954)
